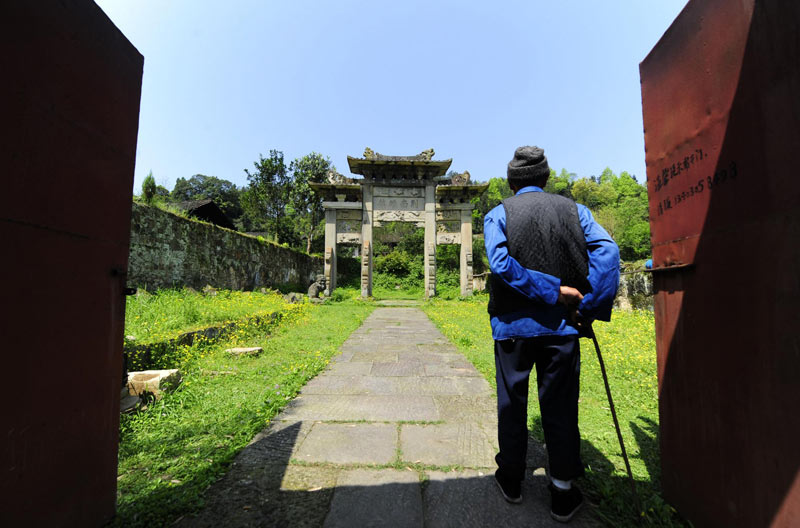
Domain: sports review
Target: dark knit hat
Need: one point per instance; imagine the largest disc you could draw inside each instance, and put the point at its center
(529, 164)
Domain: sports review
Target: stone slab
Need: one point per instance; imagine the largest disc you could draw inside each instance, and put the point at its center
(398, 302)
(438, 348)
(374, 355)
(397, 385)
(467, 408)
(398, 368)
(387, 497)
(277, 444)
(349, 368)
(433, 358)
(345, 355)
(362, 443)
(463, 444)
(394, 348)
(274, 495)
(447, 370)
(376, 408)
(244, 351)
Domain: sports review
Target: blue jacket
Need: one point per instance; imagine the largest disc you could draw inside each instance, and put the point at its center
(545, 316)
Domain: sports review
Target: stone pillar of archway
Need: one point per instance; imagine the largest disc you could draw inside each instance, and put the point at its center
(330, 251)
(366, 241)
(466, 252)
(430, 240)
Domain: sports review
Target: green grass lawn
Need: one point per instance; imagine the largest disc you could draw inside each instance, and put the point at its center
(628, 347)
(164, 314)
(173, 449)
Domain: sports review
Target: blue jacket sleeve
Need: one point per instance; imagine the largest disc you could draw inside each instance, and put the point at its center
(603, 268)
(535, 285)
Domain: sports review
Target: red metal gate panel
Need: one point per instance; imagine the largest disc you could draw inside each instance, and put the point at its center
(70, 97)
(721, 105)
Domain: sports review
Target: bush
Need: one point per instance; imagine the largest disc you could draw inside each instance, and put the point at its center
(397, 263)
(149, 188)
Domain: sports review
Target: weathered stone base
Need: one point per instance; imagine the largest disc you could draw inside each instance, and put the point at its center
(154, 382)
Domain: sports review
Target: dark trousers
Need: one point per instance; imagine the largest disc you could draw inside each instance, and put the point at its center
(558, 366)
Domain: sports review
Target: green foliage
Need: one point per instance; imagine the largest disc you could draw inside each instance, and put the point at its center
(592, 194)
(149, 188)
(628, 344)
(448, 257)
(265, 200)
(497, 191)
(166, 313)
(178, 353)
(306, 205)
(162, 192)
(398, 259)
(280, 200)
(561, 184)
(224, 193)
(619, 204)
(397, 263)
(348, 271)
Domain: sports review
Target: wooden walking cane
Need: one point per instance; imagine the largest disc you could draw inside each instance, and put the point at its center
(586, 326)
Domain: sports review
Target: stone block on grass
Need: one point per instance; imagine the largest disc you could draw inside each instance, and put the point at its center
(155, 382)
(244, 351)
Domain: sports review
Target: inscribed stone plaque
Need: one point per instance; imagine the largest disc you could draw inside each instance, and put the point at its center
(399, 216)
(448, 214)
(448, 238)
(387, 203)
(348, 238)
(403, 192)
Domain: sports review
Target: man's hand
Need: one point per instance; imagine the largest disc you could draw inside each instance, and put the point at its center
(569, 297)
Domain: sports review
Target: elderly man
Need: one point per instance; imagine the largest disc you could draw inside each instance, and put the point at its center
(551, 264)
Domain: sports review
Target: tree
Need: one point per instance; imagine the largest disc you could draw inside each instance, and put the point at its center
(592, 194)
(497, 191)
(162, 192)
(280, 199)
(561, 184)
(149, 188)
(305, 204)
(201, 187)
(266, 198)
(608, 217)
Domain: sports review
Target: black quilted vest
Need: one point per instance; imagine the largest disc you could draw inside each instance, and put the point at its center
(544, 234)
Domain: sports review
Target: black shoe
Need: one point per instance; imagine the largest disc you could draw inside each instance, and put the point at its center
(511, 489)
(564, 503)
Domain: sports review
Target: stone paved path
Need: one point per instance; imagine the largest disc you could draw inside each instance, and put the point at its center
(400, 430)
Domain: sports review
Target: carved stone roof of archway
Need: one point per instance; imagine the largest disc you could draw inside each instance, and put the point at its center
(376, 166)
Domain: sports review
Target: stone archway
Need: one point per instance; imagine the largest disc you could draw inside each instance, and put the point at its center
(398, 189)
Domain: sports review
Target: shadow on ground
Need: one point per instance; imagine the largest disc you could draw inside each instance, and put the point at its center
(266, 487)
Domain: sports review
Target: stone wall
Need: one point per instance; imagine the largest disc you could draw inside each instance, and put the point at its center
(635, 291)
(170, 251)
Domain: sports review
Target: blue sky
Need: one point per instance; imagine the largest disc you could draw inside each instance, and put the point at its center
(225, 81)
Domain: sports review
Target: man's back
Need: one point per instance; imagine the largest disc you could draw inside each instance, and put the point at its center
(544, 234)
